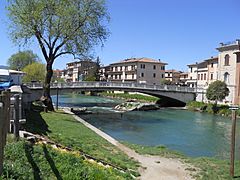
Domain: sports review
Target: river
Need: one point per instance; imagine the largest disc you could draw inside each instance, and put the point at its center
(192, 133)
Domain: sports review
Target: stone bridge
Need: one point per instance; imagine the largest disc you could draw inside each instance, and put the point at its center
(172, 95)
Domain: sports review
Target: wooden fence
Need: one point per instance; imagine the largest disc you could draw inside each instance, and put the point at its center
(4, 123)
(10, 113)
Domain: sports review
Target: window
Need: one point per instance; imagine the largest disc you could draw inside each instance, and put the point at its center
(115, 76)
(201, 76)
(226, 77)
(132, 76)
(162, 67)
(142, 75)
(211, 76)
(169, 75)
(126, 68)
(162, 75)
(226, 60)
(154, 75)
(120, 68)
(198, 77)
(142, 66)
(205, 77)
(212, 65)
(154, 66)
(191, 70)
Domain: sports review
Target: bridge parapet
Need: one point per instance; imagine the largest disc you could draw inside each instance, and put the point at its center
(116, 85)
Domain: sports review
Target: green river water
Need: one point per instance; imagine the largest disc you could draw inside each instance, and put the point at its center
(191, 133)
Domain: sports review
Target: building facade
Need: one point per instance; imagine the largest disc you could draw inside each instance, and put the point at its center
(78, 70)
(173, 76)
(225, 67)
(137, 70)
(229, 69)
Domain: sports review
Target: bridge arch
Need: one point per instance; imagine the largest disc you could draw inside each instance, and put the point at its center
(173, 95)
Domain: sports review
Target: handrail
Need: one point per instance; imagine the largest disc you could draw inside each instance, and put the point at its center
(100, 84)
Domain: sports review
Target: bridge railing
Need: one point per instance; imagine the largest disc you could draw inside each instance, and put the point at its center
(115, 85)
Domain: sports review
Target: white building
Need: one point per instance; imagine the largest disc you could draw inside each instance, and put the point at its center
(225, 67)
(229, 69)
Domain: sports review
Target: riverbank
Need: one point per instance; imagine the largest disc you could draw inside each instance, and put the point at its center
(204, 168)
(152, 167)
(210, 108)
(76, 152)
(42, 160)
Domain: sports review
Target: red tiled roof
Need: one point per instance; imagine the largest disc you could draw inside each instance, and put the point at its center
(144, 60)
(172, 70)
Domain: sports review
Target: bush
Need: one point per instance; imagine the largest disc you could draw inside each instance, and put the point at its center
(224, 112)
(193, 105)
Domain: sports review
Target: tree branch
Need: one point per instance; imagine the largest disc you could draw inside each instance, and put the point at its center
(62, 53)
(38, 36)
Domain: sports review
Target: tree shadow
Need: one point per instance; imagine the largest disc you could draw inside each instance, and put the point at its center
(36, 170)
(35, 123)
(51, 163)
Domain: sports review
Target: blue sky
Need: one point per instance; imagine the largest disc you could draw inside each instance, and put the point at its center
(178, 32)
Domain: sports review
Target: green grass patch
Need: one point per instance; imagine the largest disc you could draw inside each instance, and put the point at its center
(127, 96)
(206, 168)
(26, 161)
(64, 129)
(154, 150)
(222, 110)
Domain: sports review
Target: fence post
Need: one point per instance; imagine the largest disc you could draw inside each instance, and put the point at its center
(6, 115)
(16, 118)
(4, 121)
(1, 133)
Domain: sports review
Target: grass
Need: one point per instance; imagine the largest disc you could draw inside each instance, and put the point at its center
(26, 161)
(138, 97)
(222, 110)
(207, 168)
(64, 129)
(154, 150)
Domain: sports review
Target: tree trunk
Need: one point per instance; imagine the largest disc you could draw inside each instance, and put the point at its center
(46, 98)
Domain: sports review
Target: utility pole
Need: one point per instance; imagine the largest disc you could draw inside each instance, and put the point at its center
(57, 98)
(233, 137)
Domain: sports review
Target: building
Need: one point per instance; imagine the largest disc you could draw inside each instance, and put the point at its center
(201, 74)
(173, 76)
(183, 78)
(192, 75)
(103, 73)
(80, 70)
(229, 69)
(225, 67)
(137, 70)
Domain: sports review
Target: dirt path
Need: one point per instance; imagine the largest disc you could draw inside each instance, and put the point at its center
(153, 167)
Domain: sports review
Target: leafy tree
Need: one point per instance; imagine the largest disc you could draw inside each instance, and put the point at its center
(90, 78)
(97, 73)
(166, 82)
(21, 59)
(217, 91)
(59, 27)
(34, 72)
